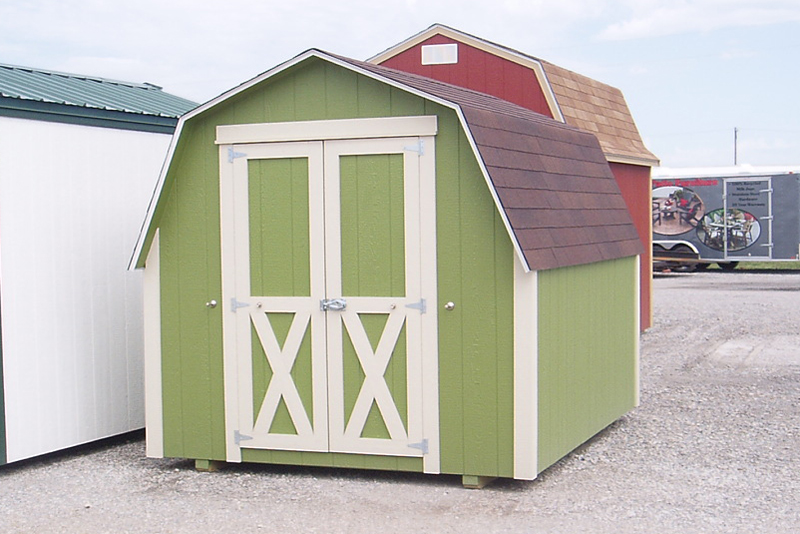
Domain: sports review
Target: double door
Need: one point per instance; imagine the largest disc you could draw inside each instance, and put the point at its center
(325, 333)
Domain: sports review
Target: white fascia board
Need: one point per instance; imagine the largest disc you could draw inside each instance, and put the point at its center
(493, 191)
(738, 171)
(505, 53)
(631, 160)
(139, 254)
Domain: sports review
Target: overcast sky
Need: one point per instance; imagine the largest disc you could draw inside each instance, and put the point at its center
(691, 70)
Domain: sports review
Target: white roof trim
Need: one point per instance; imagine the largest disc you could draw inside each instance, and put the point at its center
(475, 42)
(139, 249)
(631, 160)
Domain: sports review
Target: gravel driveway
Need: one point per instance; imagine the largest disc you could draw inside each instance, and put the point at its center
(714, 447)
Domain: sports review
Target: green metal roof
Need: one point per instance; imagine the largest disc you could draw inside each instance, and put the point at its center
(60, 97)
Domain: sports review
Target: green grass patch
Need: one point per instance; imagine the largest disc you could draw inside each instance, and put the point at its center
(764, 266)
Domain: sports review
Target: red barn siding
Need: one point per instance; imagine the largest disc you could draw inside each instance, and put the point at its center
(634, 183)
(479, 71)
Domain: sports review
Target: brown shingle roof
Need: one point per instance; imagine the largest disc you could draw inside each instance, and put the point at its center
(552, 180)
(600, 109)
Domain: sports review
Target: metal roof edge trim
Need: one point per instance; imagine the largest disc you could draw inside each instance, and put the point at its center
(138, 256)
(481, 44)
(50, 112)
(736, 171)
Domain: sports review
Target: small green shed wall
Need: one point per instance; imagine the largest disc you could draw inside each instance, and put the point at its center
(587, 352)
(475, 270)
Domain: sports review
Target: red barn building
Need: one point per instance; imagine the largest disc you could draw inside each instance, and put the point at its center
(460, 59)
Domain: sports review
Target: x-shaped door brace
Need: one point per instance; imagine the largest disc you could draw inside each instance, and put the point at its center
(281, 361)
(374, 364)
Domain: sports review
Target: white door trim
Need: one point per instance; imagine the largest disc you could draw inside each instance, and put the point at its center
(233, 160)
(327, 130)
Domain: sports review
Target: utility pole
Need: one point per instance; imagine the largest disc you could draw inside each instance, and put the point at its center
(736, 146)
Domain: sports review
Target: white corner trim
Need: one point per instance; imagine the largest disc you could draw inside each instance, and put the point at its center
(526, 368)
(154, 409)
(325, 130)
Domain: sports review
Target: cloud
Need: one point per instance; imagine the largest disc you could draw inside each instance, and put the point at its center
(652, 18)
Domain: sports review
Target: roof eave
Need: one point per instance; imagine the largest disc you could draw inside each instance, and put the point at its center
(632, 160)
(85, 116)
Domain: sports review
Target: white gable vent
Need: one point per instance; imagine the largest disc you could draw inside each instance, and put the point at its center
(440, 54)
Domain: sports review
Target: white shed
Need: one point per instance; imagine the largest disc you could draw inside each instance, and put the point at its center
(79, 157)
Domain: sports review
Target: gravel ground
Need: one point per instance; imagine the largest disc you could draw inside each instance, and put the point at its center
(712, 448)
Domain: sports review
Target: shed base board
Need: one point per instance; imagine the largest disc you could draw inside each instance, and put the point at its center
(325, 459)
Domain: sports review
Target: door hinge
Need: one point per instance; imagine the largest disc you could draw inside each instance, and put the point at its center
(232, 154)
(419, 148)
(238, 437)
(422, 445)
(333, 304)
(422, 306)
(235, 304)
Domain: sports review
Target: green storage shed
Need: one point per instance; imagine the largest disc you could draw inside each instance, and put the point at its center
(352, 266)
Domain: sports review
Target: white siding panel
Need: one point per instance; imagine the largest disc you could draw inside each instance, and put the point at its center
(72, 199)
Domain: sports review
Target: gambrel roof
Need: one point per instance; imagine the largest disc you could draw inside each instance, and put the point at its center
(550, 181)
(572, 98)
(72, 98)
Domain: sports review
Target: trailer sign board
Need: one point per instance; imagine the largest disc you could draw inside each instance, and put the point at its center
(726, 215)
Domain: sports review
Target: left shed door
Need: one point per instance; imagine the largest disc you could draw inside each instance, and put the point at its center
(277, 213)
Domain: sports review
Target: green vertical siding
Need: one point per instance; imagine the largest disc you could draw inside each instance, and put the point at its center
(373, 225)
(279, 227)
(475, 264)
(280, 266)
(587, 352)
(190, 277)
(475, 270)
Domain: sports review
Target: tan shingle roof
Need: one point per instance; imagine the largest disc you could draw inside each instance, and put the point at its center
(600, 109)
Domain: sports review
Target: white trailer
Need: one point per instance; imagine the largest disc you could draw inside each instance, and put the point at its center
(725, 215)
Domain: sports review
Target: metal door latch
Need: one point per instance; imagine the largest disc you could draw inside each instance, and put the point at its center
(332, 304)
